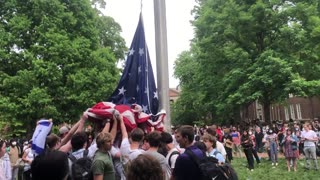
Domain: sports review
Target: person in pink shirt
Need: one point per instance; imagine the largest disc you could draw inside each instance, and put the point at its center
(236, 141)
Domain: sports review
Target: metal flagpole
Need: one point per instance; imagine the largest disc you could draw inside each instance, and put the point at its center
(162, 59)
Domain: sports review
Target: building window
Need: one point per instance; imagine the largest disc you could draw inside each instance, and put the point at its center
(298, 111)
(286, 113)
(292, 112)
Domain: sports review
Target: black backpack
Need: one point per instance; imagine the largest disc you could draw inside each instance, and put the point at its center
(173, 153)
(81, 168)
(211, 169)
(318, 149)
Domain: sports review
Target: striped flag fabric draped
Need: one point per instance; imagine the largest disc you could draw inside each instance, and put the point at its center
(132, 116)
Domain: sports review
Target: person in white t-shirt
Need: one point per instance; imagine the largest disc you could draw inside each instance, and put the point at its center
(5, 167)
(130, 146)
(173, 152)
(309, 137)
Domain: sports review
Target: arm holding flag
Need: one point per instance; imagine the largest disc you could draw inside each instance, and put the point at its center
(113, 131)
(123, 127)
(78, 127)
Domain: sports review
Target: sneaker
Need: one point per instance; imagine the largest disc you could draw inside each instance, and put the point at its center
(251, 170)
(276, 164)
(272, 164)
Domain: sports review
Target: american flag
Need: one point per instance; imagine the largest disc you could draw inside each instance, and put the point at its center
(137, 85)
(132, 115)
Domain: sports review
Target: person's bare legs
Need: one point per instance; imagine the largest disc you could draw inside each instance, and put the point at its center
(294, 162)
(288, 164)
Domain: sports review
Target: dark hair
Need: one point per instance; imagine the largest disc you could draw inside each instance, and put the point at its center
(1, 143)
(144, 167)
(166, 138)
(211, 131)
(270, 131)
(186, 131)
(51, 165)
(197, 138)
(78, 140)
(291, 130)
(137, 135)
(245, 130)
(154, 139)
(52, 140)
(201, 146)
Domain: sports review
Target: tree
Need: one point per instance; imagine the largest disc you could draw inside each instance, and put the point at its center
(57, 59)
(190, 106)
(255, 50)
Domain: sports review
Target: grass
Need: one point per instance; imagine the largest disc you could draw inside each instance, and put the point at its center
(264, 170)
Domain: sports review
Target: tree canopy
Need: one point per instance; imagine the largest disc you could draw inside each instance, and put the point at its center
(250, 50)
(57, 59)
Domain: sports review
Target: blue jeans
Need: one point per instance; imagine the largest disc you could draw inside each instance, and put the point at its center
(274, 152)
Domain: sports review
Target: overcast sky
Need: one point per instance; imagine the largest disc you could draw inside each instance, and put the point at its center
(179, 29)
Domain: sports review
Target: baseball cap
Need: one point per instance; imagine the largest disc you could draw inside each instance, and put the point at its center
(63, 130)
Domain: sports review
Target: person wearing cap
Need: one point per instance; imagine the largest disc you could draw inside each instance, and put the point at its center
(64, 143)
(63, 131)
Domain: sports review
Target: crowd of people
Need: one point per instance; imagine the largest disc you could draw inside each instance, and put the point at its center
(110, 152)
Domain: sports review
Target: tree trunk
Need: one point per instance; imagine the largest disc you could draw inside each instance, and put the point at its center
(266, 112)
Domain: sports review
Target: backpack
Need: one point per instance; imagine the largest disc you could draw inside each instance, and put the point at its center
(211, 169)
(169, 160)
(216, 152)
(318, 149)
(81, 168)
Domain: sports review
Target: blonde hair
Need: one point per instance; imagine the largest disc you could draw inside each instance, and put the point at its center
(226, 130)
(102, 138)
(210, 138)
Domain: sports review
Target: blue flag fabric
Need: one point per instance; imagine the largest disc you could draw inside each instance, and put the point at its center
(137, 85)
(39, 136)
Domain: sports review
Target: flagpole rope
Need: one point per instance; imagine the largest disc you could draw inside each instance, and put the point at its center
(147, 75)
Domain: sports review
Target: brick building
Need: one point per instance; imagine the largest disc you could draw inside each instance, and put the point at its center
(174, 94)
(296, 108)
